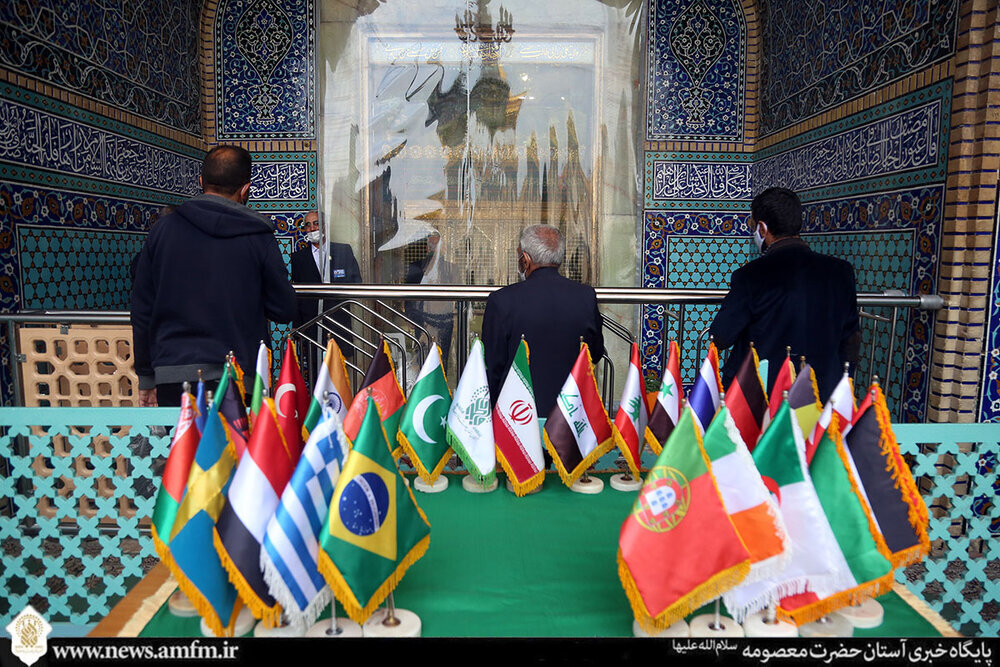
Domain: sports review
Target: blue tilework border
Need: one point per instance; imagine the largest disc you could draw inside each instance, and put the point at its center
(989, 405)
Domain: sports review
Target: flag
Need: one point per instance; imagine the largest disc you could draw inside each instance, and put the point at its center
(201, 405)
(253, 497)
(803, 398)
(331, 383)
(291, 399)
(678, 549)
(747, 400)
(291, 541)
(753, 512)
(175, 475)
(516, 429)
(470, 423)
(422, 429)
(578, 431)
(230, 398)
(667, 409)
(632, 416)
(858, 542)
(841, 403)
(706, 394)
(886, 483)
(192, 558)
(385, 390)
(375, 530)
(262, 380)
(782, 383)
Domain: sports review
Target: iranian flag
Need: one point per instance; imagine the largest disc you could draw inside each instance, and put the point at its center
(332, 384)
(516, 429)
(470, 423)
(667, 408)
(632, 417)
(261, 381)
(422, 428)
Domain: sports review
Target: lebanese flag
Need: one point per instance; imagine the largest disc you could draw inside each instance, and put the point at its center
(747, 400)
(632, 418)
(705, 398)
(291, 399)
(261, 382)
(782, 383)
(381, 383)
(678, 548)
(667, 408)
(840, 403)
(578, 431)
(516, 429)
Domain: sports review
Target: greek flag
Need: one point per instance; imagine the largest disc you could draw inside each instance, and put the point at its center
(291, 540)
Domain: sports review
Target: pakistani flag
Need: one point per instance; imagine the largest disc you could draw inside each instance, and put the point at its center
(375, 530)
(333, 385)
(422, 428)
(470, 425)
(516, 429)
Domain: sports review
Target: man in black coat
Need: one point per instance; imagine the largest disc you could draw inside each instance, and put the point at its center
(550, 311)
(791, 296)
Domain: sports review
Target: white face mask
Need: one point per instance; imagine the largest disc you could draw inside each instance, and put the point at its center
(314, 237)
(758, 236)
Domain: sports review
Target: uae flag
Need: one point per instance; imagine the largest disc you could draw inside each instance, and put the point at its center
(706, 394)
(747, 400)
(332, 388)
(578, 431)
(175, 475)
(840, 403)
(261, 382)
(422, 433)
(252, 498)
(632, 418)
(678, 548)
(291, 398)
(381, 384)
(516, 429)
(667, 408)
(470, 421)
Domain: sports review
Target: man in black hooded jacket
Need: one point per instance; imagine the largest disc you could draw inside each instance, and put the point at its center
(209, 277)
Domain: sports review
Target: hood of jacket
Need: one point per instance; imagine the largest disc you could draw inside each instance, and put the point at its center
(223, 218)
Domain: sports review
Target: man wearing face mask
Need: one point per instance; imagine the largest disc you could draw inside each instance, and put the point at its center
(550, 311)
(790, 296)
(208, 279)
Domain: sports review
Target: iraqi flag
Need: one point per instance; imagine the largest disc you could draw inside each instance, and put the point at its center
(332, 388)
(422, 430)
(678, 548)
(578, 431)
(706, 394)
(175, 474)
(667, 408)
(253, 497)
(261, 381)
(291, 398)
(381, 384)
(516, 430)
(747, 400)
(470, 420)
(632, 417)
(840, 403)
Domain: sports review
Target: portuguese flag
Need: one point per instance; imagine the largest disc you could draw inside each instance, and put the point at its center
(678, 548)
(175, 474)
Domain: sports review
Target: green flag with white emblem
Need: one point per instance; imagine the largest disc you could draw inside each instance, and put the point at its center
(422, 428)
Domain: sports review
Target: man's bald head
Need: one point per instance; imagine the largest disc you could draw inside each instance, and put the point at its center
(226, 170)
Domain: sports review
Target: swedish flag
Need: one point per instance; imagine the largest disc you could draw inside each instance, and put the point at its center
(375, 531)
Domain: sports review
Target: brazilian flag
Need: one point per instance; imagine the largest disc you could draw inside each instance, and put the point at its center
(375, 531)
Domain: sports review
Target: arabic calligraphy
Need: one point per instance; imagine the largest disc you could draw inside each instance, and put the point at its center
(284, 181)
(700, 180)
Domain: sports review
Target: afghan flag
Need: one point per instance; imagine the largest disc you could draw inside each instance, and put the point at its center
(678, 548)
(706, 394)
(470, 421)
(175, 475)
(381, 383)
(578, 432)
(516, 430)
(885, 482)
(291, 399)
(747, 400)
(803, 398)
(667, 408)
(782, 384)
(375, 530)
(632, 417)
(229, 395)
(858, 541)
(332, 387)
(253, 496)
(840, 403)
(261, 382)
(422, 430)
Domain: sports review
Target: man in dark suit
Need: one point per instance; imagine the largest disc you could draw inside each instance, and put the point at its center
(550, 311)
(306, 264)
(791, 296)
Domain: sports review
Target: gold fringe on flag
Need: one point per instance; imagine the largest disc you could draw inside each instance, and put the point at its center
(569, 477)
(520, 488)
(654, 444)
(428, 476)
(271, 616)
(626, 452)
(756, 370)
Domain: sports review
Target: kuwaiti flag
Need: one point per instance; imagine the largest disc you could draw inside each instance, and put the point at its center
(470, 421)
(193, 559)
(422, 430)
(754, 513)
(291, 399)
(253, 497)
(375, 530)
(747, 400)
(886, 483)
(175, 475)
(516, 429)
(381, 383)
(840, 403)
(632, 418)
(291, 541)
(858, 541)
(782, 384)
(332, 384)
(262, 380)
(229, 395)
(706, 394)
(667, 408)
(678, 548)
(578, 431)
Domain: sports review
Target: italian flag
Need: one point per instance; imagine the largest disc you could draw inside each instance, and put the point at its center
(632, 416)
(516, 429)
(331, 383)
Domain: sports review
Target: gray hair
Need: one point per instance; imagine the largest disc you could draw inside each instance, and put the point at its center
(544, 244)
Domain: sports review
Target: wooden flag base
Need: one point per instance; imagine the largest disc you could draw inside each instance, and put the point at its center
(180, 605)
(439, 485)
(244, 624)
(868, 614)
(587, 485)
(408, 624)
(621, 482)
(756, 625)
(678, 629)
(345, 628)
(472, 486)
(705, 626)
(833, 625)
(280, 631)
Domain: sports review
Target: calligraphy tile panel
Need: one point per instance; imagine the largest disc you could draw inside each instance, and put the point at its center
(284, 181)
(711, 181)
